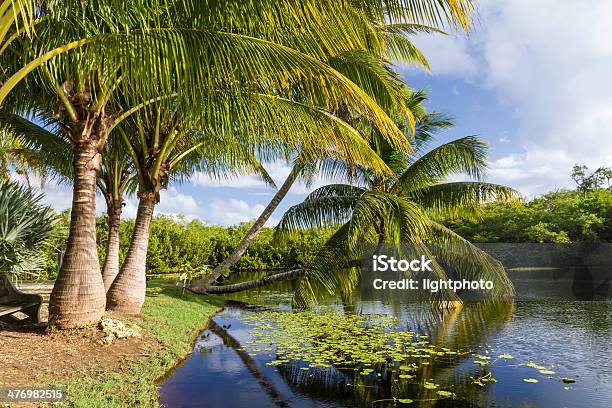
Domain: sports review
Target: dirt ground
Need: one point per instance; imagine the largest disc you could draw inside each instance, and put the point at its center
(29, 356)
(32, 356)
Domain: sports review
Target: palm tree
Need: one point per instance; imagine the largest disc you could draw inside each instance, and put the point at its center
(152, 47)
(25, 225)
(403, 209)
(46, 145)
(171, 146)
(116, 179)
(375, 75)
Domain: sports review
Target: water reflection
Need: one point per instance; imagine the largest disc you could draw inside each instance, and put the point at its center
(573, 338)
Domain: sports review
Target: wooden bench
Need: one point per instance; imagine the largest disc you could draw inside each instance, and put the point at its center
(12, 301)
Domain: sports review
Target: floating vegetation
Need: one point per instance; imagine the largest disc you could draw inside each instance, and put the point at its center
(345, 341)
(373, 347)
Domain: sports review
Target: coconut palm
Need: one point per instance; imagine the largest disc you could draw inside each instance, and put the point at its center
(48, 148)
(156, 48)
(173, 145)
(84, 81)
(403, 209)
(25, 225)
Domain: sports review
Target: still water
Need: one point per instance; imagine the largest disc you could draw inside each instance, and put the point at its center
(571, 338)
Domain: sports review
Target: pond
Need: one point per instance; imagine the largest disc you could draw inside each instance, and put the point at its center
(493, 354)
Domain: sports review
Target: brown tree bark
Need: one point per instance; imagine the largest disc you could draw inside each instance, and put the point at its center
(266, 280)
(201, 285)
(126, 294)
(110, 270)
(78, 295)
(239, 287)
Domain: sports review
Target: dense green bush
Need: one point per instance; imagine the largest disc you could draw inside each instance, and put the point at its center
(177, 245)
(562, 217)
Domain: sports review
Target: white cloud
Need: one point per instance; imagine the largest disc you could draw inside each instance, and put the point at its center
(448, 54)
(277, 170)
(234, 211)
(172, 202)
(549, 62)
(60, 196)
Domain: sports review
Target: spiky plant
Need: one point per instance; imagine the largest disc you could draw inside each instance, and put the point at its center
(25, 225)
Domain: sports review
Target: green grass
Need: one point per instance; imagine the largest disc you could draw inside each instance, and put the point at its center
(174, 322)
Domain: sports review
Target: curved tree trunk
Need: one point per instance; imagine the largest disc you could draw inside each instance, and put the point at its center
(126, 294)
(266, 280)
(111, 262)
(201, 285)
(78, 295)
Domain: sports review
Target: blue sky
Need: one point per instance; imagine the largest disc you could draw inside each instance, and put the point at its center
(534, 79)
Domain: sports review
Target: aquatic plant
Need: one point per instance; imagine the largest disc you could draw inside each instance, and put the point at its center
(370, 349)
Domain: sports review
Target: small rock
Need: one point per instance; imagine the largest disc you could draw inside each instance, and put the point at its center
(116, 329)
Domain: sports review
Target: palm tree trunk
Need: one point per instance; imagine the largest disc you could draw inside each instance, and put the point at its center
(126, 294)
(201, 285)
(266, 280)
(239, 287)
(111, 262)
(78, 296)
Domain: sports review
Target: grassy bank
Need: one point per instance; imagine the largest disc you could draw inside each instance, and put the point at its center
(174, 321)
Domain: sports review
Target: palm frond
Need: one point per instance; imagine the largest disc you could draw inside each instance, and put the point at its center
(449, 200)
(326, 206)
(470, 262)
(467, 155)
(46, 145)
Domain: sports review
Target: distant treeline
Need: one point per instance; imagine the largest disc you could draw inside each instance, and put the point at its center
(561, 217)
(177, 246)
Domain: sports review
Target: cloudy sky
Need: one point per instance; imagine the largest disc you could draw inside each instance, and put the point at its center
(533, 78)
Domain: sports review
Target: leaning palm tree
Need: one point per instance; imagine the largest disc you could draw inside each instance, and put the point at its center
(372, 72)
(403, 209)
(150, 47)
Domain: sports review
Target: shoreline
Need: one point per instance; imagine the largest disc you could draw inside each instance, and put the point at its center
(127, 372)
